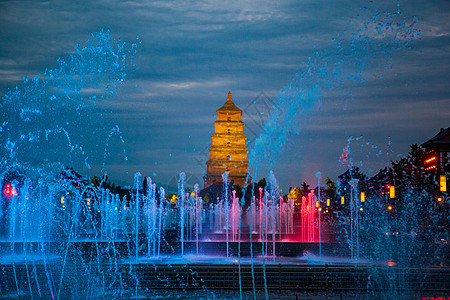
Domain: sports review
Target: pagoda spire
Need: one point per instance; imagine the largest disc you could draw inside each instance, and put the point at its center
(229, 96)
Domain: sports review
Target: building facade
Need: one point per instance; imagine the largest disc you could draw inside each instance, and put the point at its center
(437, 153)
(228, 151)
(437, 159)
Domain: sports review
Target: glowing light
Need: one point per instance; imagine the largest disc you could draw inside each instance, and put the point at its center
(430, 167)
(392, 191)
(443, 183)
(62, 200)
(363, 197)
(328, 202)
(430, 159)
(342, 200)
(439, 199)
(317, 203)
(391, 263)
(9, 190)
(361, 209)
(389, 207)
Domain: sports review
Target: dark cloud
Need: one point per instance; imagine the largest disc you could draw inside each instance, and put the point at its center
(192, 53)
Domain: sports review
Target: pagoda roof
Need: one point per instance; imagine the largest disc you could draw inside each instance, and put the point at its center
(442, 137)
(229, 106)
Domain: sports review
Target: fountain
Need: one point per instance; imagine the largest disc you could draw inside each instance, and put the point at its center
(89, 228)
(64, 236)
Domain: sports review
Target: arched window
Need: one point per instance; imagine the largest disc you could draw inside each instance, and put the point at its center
(229, 131)
(228, 144)
(228, 157)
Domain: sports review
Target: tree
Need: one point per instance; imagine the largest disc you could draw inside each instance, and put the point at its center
(296, 195)
(305, 189)
(261, 183)
(331, 187)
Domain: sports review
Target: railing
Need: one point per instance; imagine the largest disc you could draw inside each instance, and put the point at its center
(280, 277)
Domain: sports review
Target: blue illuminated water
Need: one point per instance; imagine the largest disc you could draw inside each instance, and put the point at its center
(90, 241)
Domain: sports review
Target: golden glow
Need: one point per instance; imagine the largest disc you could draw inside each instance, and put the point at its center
(392, 191)
(439, 199)
(295, 195)
(328, 202)
(363, 197)
(391, 263)
(430, 167)
(228, 150)
(390, 207)
(443, 183)
(342, 200)
(317, 203)
(62, 200)
(430, 159)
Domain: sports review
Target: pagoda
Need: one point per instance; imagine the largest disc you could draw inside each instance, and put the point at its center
(228, 151)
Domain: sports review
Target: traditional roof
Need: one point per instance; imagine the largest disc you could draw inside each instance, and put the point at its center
(443, 137)
(229, 106)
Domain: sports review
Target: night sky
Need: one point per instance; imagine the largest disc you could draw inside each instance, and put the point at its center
(194, 52)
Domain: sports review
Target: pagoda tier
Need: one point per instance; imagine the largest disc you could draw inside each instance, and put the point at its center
(228, 151)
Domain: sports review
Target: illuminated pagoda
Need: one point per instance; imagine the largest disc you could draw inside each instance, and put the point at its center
(228, 151)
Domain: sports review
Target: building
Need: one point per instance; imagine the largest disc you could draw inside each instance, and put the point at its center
(437, 159)
(437, 153)
(228, 151)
